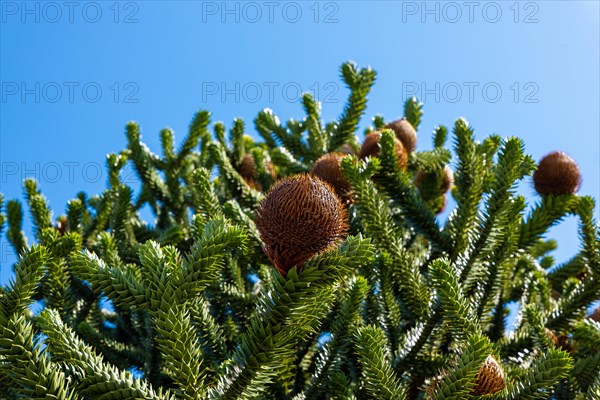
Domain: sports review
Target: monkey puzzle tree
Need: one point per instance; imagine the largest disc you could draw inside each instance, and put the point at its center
(306, 266)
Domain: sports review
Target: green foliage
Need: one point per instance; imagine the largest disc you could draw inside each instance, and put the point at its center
(41, 215)
(28, 274)
(469, 189)
(459, 316)
(406, 306)
(92, 377)
(413, 111)
(182, 357)
(290, 312)
(27, 372)
(336, 352)
(380, 380)
(439, 136)
(15, 233)
(460, 382)
(234, 183)
(544, 373)
(359, 82)
(398, 185)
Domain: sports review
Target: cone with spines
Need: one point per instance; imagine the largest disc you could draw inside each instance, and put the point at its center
(490, 378)
(301, 216)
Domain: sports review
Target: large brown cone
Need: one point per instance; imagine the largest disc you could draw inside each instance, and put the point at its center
(405, 132)
(300, 217)
(328, 168)
(371, 148)
(490, 377)
(557, 173)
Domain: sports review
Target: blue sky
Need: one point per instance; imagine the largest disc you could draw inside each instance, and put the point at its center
(74, 73)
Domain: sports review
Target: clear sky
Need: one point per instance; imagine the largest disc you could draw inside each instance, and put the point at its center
(73, 73)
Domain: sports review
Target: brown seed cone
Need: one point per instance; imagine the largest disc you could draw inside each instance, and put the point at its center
(254, 184)
(346, 149)
(62, 225)
(552, 336)
(557, 173)
(434, 383)
(490, 377)
(405, 133)
(371, 148)
(442, 204)
(421, 177)
(559, 341)
(329, 170)
(565, 344)
(247, 167)
(430, 184)
(430, 389)
(447, 179)
(270, 167)
(247, 170)
(300, 217)
(595, 316)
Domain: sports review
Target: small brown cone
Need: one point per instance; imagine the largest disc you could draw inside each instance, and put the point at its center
(270, 168)
(447, 179)
(442, 204)
(430, 184)
(247, 170)
(557, 173)
(254, 184)
(565, 344)
(595, 316)
(248, 167)
(405, 132)
(328, 168)
(433, 385)
(490, 377)
(346, 149)
(62, 225)
(301, 216)
(552, 336)
(371, 148)
(421, 177)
